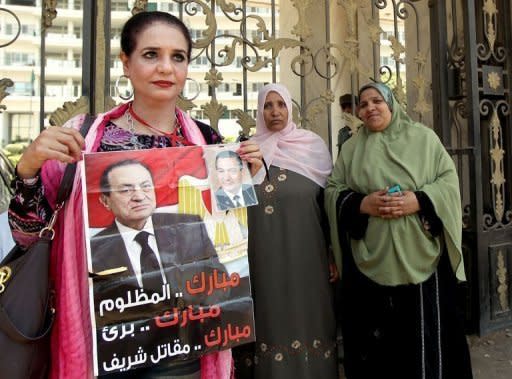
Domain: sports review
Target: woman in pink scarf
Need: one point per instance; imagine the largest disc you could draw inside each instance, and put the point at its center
(288, 254)
(157, 67)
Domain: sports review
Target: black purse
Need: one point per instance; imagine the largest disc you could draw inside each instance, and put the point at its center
(26, 297)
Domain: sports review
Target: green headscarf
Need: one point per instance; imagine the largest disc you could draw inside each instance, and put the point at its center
(399, 251)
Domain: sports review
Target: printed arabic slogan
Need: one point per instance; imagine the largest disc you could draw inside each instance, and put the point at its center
(169, 276)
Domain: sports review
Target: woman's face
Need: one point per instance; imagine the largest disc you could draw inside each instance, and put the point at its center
(158, 66)
(275, 112)
(374, 111)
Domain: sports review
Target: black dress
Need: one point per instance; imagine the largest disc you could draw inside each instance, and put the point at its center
(295, 326)
(410, 331)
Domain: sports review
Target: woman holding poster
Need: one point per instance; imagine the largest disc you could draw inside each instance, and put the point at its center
(288, 251)
(157, 68)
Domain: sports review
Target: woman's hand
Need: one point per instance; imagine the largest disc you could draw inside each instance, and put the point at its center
(400, 204)
(250, 152)
(333, 272)
(373, 203)
(56, 142)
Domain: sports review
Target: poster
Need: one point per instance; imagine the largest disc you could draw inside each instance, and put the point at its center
(169, 277)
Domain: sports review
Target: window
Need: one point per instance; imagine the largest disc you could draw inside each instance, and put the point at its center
(20, 126)
(385, 61)
(20, 88)
(122, 5)
(197, 114)
(200, 61)
(58, 29)
(10, 29)
(168, 7)
(115, 32)
(58, 89)
(77, 31)
(150, 7)
(31, 3)
(19, 59)
(257, 86)
(77, 60)
(29, 30)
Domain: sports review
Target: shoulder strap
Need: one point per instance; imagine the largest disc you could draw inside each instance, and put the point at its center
(66, 184)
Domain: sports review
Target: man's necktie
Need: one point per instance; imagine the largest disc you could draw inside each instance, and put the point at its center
(236, 198)
(149, 267)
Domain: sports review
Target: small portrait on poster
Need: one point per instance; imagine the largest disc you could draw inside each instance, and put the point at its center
(230, 179)
(159, 290)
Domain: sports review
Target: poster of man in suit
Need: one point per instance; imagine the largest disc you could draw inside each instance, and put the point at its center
(159, 292)
(228, 182)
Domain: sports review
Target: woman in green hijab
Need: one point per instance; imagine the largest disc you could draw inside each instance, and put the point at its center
(394, 210)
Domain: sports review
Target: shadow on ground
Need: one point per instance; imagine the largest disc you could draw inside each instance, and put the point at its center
(491, 355)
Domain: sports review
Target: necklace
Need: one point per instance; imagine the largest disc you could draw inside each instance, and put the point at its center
(132, 113)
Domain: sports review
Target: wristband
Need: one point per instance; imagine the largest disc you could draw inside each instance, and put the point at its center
(30, 181)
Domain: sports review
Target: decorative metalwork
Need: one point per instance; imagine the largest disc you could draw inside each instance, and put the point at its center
(302, 28)
(497, 154)
(252, 61)
(185, 104)
(68, 110)
(498, 176)
(315, 108)
(245, 121)
(214, 110)
(73, 108)
(213, 78)
(18, 23)
(490, 11)
(4, 84)
(49, 13)
(472, 40)
(139, 6)
(5, 275)
(493, 83)
(502, 277)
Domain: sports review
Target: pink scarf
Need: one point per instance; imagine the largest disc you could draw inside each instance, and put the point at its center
(71, 341)
(298, 150)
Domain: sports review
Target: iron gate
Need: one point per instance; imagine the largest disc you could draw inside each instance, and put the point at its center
(447, 61)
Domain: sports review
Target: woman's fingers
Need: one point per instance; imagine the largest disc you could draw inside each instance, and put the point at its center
(399, 206)
(63, 144)
(250, 149)
(250, 152)
(72, 140)
(333, 272)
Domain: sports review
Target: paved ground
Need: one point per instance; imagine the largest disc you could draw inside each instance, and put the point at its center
(491, 356)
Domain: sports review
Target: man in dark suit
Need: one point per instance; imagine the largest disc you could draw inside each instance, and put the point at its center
(143, 249)
(232, 192)
(147, 244)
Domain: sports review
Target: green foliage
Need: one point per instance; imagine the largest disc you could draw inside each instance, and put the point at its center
(13, 151)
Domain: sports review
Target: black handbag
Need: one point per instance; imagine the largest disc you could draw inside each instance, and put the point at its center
(26, 297)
